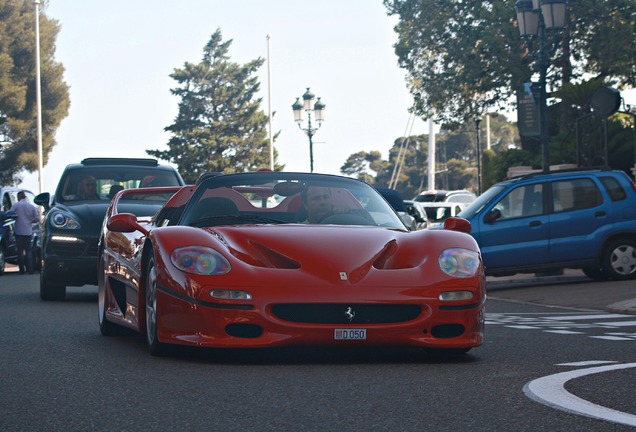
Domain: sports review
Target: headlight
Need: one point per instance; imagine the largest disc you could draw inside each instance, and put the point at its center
(61, 220)
(200, 260)
(457, 262)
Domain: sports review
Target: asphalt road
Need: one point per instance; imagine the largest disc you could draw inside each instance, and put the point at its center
(57, 373)
(571, 289)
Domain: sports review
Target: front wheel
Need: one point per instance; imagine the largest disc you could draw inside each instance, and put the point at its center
(619, 260)
(155, 347)
(595, 273)
(49, 291)
(1, 261)
(106, 327)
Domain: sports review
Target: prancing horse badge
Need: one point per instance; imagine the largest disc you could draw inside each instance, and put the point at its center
(343, 276)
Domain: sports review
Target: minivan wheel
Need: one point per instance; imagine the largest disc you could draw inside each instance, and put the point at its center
(619, 260)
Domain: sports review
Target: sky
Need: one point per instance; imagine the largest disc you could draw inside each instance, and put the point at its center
(118, 56)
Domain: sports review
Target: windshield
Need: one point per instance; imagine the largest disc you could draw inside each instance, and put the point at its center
(102, 183)
(297, 198)
(483, 199)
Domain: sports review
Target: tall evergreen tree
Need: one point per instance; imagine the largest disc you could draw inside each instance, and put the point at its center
(18, 108)
(219, 127)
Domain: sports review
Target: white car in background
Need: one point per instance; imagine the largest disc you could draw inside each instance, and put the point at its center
(454, 196)
(438, 212)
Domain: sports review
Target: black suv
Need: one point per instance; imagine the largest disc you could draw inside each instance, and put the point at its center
(74, 216)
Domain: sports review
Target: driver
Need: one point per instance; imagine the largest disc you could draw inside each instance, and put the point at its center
(317, 203)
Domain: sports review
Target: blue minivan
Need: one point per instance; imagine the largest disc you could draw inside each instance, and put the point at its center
(540, 222)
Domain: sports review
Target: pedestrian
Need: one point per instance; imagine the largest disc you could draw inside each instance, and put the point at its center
(26, 215)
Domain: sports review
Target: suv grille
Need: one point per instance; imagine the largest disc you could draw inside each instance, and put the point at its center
(337, 313)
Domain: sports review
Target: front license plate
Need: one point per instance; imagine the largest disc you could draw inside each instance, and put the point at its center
(350, 334)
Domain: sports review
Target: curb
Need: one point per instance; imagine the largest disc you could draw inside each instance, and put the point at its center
(625, 306)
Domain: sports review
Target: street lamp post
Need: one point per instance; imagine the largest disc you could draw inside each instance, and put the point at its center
(536, 18)
(477, 121)
(307, 106)
(38, 92)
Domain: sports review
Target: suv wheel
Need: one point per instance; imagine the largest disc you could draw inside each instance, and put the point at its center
(49, 291)
(595, 273)
(619, 260)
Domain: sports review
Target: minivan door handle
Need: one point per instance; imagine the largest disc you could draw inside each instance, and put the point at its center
(535, 223)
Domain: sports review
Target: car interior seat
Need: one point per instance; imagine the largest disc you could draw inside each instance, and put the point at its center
(215, 206)
(113, 190)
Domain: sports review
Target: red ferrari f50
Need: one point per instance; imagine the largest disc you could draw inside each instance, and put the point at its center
(270, 259)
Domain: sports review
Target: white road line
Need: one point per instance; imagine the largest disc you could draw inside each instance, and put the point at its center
(618, 323)
(563, 332)
(612, 338)
(587, 363)
(587, 317)
(550, 391)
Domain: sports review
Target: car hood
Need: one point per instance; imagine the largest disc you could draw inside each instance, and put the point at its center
(327, 252)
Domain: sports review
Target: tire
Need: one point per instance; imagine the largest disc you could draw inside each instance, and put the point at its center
(595, 273)
(49, 291)
(155, 347)
(106, 327)
(2, 262)
(619, 259)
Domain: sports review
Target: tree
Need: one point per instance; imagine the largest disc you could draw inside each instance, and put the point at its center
(466, 57)
(361, 165)
(18, 108)
(456, 158)
(219, 127)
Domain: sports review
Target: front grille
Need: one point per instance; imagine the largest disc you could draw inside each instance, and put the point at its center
(354, 314)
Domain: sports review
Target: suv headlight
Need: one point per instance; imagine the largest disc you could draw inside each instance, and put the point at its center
(62, 220)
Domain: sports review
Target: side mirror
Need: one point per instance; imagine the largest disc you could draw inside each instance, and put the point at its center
(492, 216)
(125, 222)
(457, 224)
(44, 200)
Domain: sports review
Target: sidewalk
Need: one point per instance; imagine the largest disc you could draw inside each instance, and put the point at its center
(569, 289)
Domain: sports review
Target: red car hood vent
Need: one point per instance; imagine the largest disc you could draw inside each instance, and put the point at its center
(351, 250)
(270, 258)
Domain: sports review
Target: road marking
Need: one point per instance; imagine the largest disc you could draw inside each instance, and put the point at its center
(587, 363)
(570, 324)
(587, 317)
(550, 391)
(613, 338)
(618, 323)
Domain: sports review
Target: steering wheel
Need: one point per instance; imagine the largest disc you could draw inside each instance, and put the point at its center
(346, 219)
